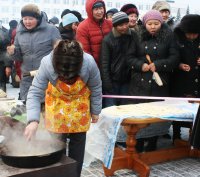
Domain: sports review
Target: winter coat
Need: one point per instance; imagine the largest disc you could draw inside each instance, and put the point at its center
(115, 51)
(89, 74)
(66, 33)
(194, 138)
(90, 33)
(164, 54)
(186, 84)
(4, 42)
(31, 47)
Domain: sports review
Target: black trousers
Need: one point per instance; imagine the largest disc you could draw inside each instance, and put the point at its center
(2, 77)
(76, 147)
(195, 136)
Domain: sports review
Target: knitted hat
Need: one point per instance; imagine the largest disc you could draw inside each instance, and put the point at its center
(161, 5)
(152, 15)
(119, 18)
(31, 10)
(190, 23)
(69, 19)
(97, 4)
(54, 20)
(130, 9)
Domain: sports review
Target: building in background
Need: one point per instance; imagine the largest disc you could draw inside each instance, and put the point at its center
(10, 9)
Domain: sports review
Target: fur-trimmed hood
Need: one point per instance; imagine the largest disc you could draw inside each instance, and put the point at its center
(189, 24)
(164, 33)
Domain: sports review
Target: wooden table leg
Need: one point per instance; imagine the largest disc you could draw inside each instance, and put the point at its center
(128, 159)
(134, 162)
(139, 162)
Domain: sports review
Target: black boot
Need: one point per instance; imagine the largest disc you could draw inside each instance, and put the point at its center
(151, 144)
(140, 145)
(176, 130)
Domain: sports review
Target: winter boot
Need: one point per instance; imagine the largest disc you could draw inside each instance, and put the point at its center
(151, 144)
(139, 145)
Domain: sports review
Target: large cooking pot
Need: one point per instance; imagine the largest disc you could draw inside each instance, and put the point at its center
(17, 152)
(32, 161)
(26, 160)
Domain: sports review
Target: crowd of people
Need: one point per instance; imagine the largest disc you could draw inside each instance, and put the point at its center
(111, 52)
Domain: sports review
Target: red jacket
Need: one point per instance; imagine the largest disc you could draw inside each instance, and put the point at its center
(90, 33)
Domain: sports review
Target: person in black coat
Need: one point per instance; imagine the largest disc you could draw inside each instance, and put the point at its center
(68, 26)
(67, 31)
(157, 41)
(117, 47)
(5, 63)
(185, 80)
(194, 139)
(161, 47)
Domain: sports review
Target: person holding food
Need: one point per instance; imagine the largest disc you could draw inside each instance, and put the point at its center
(158, 53)
(72, 83)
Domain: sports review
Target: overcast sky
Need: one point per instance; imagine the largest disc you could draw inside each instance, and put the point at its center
(194, 5)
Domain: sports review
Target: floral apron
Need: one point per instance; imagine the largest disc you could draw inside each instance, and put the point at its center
(67, 107)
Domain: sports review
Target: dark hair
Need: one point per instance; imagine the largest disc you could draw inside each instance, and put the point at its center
(67, 60)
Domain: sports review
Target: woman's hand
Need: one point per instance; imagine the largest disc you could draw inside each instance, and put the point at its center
(95, 118)
(8, 71)
(198, 61)
(145, 67)
(11, 50)
(30, 130)
(184, 67)
(152, 67)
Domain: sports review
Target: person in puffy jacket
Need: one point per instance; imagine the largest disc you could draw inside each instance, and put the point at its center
(72, 83)
(35, 39)
(92, 30)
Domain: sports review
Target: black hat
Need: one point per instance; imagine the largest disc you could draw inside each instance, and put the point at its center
(190, 23)
(31, 10)
(111, 11)
(67, 59)
(78, 15)
(119, 18)
(97, 4)
(13, 24)
(64, 12)
(130, 9)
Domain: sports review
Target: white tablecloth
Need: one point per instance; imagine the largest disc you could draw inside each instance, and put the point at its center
(102, 136)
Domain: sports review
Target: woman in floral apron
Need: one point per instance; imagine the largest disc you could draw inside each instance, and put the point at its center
(72, 83)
